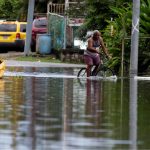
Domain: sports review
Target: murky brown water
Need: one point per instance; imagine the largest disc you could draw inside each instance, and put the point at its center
(66, 113)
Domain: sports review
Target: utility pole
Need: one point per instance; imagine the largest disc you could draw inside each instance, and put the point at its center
(27, 48)
(133, 72)
(135, 38)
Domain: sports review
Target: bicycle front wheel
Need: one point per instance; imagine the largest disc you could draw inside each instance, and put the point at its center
(105, 72)
(82, 73)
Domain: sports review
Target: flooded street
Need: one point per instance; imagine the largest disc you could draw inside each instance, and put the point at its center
(52, 109)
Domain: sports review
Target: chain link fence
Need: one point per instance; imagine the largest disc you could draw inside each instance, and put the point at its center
(56, 26)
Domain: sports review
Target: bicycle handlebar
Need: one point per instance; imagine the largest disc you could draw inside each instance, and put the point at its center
(103, 55)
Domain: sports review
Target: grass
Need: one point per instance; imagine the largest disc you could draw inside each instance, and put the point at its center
(44, 58)
(40, 58)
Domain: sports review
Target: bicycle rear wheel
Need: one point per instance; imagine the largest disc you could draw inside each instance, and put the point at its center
(105, 72)
(82, 73)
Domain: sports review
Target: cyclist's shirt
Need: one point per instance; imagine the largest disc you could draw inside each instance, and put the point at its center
(96, 45)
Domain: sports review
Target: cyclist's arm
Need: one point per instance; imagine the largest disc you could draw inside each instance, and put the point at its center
(90, 46)
(105, 50)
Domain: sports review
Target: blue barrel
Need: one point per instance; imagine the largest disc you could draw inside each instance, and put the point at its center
(43, 43)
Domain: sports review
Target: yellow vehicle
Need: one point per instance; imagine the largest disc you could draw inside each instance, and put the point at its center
(12, 34)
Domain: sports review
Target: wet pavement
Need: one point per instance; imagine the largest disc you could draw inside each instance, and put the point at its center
(9, 59)
(39, 64)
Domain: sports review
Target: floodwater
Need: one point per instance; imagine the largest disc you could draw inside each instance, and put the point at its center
(51, 109)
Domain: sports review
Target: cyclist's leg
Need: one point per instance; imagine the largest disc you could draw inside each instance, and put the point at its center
(89, 62)
(97, 62)
(94, 72)
(88, 70)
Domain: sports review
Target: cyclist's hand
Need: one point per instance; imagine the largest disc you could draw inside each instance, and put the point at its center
(109, 56)
(99, 53)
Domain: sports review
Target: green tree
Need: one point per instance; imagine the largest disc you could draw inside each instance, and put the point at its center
(122, 29)
(97, 13)
(145, 17)
(9, 9)
(144, 44)
(17, 9)
(115, 34)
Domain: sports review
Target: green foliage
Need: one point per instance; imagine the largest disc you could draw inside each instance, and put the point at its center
(9, 9)
(145, 17)
(17, 9)
(77, 10)
(144, 55)
(122, 29)
(144, 44)
(115, 33)
(97, 13)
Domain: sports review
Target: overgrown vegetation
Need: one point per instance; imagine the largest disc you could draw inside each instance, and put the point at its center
(17, 9)
(120, 36)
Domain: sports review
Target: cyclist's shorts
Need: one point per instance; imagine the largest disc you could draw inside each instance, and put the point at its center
(89, 60)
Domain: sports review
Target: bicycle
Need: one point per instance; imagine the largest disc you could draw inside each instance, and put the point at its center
(102, 70)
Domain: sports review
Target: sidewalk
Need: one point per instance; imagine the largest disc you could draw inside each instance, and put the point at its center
(40, 64)
(8, 57)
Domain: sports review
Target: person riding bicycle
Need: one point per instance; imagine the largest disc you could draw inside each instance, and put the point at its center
(91, 54)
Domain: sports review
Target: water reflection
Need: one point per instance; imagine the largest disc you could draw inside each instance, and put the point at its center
(93, 102)
(133, 113)
(38, 113)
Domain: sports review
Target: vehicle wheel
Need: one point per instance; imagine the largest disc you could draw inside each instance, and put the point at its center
(3, 50)
(33, 46)
(105, 72)
(20, 49)
(82, 73)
